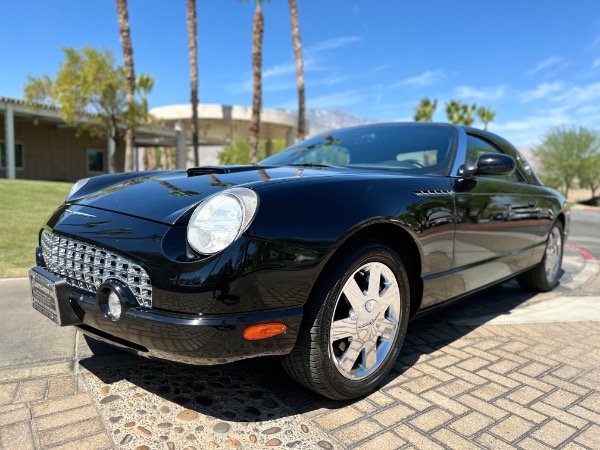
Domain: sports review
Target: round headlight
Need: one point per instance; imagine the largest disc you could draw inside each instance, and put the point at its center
(221, 219)
(114, 305)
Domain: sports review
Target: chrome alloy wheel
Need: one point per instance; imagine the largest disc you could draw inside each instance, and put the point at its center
(553, 254)
(365, 321)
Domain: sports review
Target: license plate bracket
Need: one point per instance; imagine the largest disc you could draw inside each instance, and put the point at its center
(50, 296)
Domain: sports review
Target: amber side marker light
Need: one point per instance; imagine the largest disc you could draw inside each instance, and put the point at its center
(264, 331)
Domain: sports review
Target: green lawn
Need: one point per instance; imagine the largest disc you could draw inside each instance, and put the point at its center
(24, 207)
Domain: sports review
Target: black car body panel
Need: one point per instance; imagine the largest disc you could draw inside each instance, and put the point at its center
(456, 233)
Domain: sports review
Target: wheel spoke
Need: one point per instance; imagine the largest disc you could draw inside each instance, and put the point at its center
(354, 294)
(386, 328)
(374, 281)
(350, 356)
(370, 353)
(342, 328)
(389, 295)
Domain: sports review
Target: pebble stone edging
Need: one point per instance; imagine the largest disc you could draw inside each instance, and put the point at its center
(208, 408)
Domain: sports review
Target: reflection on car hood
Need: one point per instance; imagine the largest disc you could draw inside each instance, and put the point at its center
(168, 197)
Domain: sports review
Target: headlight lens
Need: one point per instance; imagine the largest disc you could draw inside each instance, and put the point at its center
(221, 219)
(77, 186)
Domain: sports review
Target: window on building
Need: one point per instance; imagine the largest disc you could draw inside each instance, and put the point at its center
(18, 155)
(95, 161)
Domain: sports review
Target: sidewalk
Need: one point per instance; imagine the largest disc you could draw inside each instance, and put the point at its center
(503, 369)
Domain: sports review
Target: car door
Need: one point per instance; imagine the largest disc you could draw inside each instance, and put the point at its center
(497, 223)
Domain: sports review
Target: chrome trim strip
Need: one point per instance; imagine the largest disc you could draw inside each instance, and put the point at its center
(434, 192)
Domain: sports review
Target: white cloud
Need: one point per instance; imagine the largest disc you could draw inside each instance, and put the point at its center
(577, 96)
(283, 69)
(335, 100)
(425, 79)
(550, 62)
(530, 131)
(332, 44)
(588, 110)
(288, 70)
(541, 91)
(560, 105)
(594, 44)
(489, 93)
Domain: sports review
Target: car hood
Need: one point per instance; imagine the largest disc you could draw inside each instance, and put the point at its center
(169, 197)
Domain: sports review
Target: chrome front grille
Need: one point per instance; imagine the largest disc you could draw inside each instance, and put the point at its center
(87, 266)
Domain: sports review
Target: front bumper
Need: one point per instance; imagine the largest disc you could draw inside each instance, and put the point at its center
(194, 339)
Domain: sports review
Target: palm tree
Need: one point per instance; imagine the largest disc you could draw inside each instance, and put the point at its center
(125, 36)
(486, 115)
(144, 84)
(467, 112)
(299, 69)
(425, 110)
(192, 44)
(257, 40)
(453, 111)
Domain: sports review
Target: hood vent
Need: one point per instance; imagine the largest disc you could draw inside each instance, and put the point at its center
(195, 171)
(206, 170)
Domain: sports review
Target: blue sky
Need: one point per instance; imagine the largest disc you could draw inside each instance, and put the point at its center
(536, 62)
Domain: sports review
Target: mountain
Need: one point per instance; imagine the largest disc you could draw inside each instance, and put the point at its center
(320, 120)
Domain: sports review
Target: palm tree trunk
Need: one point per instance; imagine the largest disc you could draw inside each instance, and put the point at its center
(192, 44)
(299, 70)
(130, 74)
(257, 38)
(147, 158)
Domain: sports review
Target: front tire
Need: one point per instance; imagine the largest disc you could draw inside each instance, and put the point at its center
(544, 277)
(354, 323)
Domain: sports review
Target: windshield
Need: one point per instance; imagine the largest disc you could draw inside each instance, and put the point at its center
(416, 148)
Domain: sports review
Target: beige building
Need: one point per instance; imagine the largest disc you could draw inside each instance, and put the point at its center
(44, 147)
(219, 125)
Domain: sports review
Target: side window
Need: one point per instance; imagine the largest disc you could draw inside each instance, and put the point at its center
(477, 147)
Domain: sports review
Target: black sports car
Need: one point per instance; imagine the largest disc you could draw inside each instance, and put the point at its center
(322, 252)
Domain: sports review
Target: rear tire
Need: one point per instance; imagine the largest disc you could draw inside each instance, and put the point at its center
(354, 323)
(544, 277)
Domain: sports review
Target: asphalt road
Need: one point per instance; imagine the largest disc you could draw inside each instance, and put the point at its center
(585, 230)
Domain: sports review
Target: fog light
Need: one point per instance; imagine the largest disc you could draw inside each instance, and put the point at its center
(114, 306)
(114, 299)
